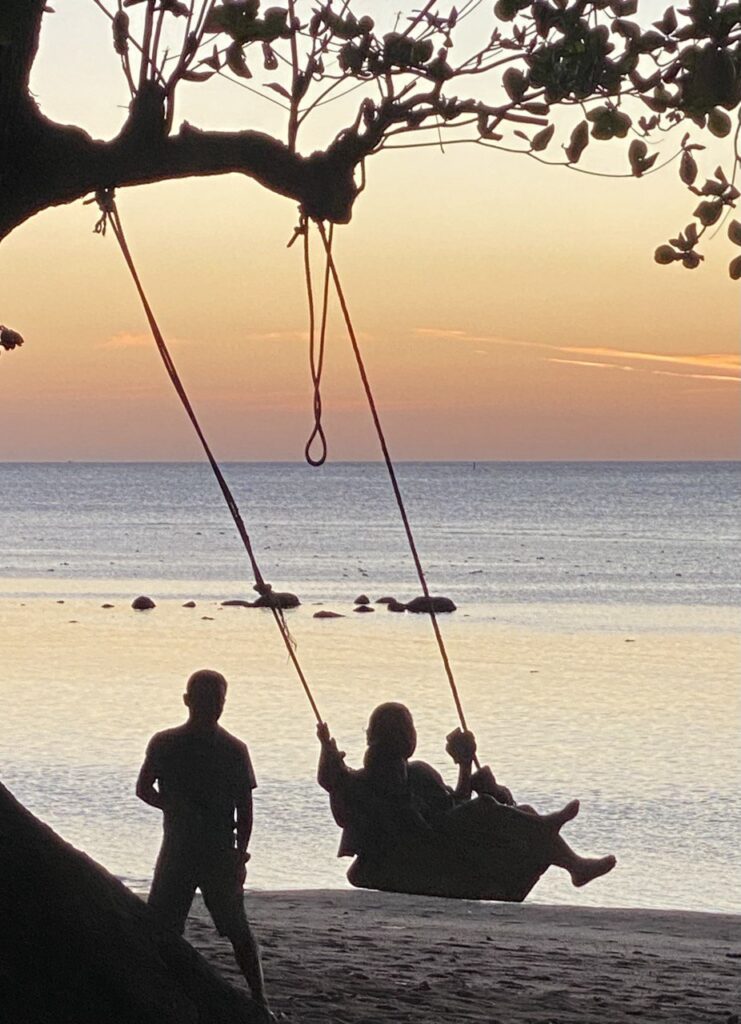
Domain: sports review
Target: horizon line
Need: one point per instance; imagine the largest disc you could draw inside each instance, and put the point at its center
(369, 462)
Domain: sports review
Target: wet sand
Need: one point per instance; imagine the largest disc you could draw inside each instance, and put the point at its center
(350, 957)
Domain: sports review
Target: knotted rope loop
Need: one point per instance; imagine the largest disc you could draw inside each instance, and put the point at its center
(316, 353)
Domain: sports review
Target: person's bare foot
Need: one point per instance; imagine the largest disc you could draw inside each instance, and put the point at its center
(592, 867)
(559, 818)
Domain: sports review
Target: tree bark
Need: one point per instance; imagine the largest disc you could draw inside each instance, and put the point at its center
(44, 164)
(48, 164)
(77, 947)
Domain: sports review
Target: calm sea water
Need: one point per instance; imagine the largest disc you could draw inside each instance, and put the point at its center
(596, 647)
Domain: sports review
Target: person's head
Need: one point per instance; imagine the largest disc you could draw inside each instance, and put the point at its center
(391, 733)
(205, 693)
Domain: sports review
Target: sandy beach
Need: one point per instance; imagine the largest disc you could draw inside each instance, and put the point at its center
(351, 957)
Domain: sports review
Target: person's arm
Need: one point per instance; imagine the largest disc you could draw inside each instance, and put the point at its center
(146, 789)
(332, 770)
(462, 747)
(245, 819)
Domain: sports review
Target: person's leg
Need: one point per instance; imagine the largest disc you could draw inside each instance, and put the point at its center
(483, 820)
(581, 869)
(224, 898)
(247, 955)
(173, 886)
(484, 816)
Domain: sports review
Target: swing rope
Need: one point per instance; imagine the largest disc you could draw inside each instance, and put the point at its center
(110, 215)
(327, 242)
(316, 361)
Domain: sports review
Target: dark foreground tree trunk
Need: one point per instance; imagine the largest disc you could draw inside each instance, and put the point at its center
(77, 947)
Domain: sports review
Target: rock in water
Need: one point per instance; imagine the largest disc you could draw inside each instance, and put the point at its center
(142, 603)
(237, 603)
(395, 606)
(363, 608)
(438, 604)
(276, 599)
(324, 614)
(386, 600)
(361, 599)
(189, 604)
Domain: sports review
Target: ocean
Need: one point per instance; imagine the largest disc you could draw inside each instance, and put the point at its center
(596, 648)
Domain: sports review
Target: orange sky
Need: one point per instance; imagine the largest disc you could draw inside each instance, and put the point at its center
(507, 311)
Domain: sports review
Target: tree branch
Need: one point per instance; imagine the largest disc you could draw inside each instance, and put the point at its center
(50, 164)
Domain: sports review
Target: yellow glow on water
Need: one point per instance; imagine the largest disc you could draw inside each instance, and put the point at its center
(642, 731)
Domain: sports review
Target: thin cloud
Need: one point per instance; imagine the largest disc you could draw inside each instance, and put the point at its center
(697, 376)
(717, 361)
(604, 355)
(587, 362)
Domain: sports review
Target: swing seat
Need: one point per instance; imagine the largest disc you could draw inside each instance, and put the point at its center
(447, 868)
(397, 853)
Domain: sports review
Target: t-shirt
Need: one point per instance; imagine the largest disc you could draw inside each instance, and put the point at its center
(202, 777)
(381, 805)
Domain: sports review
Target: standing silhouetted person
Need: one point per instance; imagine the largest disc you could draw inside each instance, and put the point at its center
(201, 778)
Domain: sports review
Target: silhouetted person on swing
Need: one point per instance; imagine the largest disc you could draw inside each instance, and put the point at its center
(412, 832)
(201, 778)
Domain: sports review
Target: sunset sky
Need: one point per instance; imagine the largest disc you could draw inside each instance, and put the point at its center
(506, 310)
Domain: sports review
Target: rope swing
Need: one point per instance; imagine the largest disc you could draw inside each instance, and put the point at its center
(110, 215)
(326, 238)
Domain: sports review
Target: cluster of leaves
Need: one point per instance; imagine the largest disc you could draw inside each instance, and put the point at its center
(9, 339)
(686, 67)
(625, 81)
(717, 195)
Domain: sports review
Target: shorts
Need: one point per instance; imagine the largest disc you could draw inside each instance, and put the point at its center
(177, 875)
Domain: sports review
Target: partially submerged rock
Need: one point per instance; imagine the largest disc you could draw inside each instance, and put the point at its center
(395, 606)
(386, 600)
(237, 603)
(142, 603)
(437, 604)
(189, 604)
(277, 599)
(363, 608)
(324, 614)
(362, 599)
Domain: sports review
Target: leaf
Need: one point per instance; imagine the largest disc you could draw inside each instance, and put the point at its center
(515, 83)
(197, 76)
(236, 62)
(542, 138)
(688, 168)
(719, 123)
(9, 339)
(665, 255)
(280, 89)
(735, 268)
(578, 142)
(636, 155)
(120, 26)
(734, 232)
(668, 22)
(708, 212)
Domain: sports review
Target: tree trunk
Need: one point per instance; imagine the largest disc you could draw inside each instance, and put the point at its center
(77, 947)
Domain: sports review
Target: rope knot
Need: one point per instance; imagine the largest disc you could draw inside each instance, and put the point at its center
(263, 588)
(106, 200)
